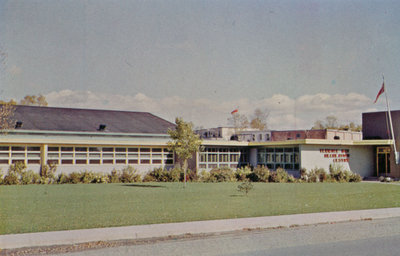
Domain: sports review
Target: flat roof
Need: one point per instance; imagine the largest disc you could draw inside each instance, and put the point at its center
(323, 142)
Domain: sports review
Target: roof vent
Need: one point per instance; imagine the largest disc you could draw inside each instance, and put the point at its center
(18, 124)
(102, 127)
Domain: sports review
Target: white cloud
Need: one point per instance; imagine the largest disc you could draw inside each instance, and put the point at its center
(14, 70)
(285, 112)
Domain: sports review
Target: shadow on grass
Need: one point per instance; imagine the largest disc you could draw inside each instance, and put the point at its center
(143, 185)
(236, 195)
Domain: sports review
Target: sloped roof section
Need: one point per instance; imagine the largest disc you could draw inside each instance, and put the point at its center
(89, 120)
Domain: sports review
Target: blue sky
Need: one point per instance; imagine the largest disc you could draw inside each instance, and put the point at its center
(299, 60)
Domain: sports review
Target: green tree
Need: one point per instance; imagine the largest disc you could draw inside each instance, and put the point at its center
(184, 142)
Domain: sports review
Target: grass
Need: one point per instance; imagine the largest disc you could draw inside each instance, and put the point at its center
(38, 208)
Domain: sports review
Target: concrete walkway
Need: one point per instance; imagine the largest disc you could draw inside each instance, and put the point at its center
(196, 227)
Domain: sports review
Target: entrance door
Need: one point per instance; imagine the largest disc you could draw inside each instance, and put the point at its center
(382, 161)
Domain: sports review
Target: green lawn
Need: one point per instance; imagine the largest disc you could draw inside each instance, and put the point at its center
(36, 208)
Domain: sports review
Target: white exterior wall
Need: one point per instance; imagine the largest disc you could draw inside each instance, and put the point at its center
(360, 160)
(343, 135)
(101, 168)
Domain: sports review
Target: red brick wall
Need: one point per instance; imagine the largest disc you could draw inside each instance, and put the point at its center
(298, 135)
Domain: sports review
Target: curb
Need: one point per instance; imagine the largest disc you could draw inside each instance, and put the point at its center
(70, 237)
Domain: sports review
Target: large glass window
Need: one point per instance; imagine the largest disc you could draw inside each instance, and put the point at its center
(275, 157)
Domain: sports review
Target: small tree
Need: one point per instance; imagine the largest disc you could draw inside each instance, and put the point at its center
(245, 187)
(184, 142)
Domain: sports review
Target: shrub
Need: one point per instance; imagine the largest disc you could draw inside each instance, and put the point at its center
(100, 178)
(15, 172)
(62, 179)
(87, 177)
(317, 175)
(291, 179)
(245, 187)
(340, 174)
(222, 174)
(47, 173)
(11, 179)
(259, 174)
(17, 168)
(176, 174)
(173, 175)
(191, 175)
(114, 177)
(149, 178)
(74, 178)
(159, 174)
(129, 175)
(243, 173)
(30, 177)
(205, 176)
(279, 176)
(355, 177)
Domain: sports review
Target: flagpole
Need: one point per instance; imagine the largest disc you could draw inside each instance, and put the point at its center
(391, 124)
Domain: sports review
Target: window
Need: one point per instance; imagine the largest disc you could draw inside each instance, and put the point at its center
(96, 155)
(213, 157)
(273, 158)
(24, 154)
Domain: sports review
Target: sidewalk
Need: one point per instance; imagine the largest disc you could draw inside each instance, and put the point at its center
(196, 227)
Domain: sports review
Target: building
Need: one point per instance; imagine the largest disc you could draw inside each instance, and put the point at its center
(103, 140)
(230, 133)
(376, 127)
(325, 134)
(85, 139)
(293, 150)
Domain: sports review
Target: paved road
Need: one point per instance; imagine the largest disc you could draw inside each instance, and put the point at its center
(369, 237)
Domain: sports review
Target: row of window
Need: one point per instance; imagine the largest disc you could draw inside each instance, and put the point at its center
(13, 154)
(214, 157)
(86, 155)
(274, 158)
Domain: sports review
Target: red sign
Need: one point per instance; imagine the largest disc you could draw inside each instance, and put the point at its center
(337, 155)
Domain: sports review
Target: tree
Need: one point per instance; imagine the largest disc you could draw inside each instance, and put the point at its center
(318, 125)
(7, 110)
(259, 120)
(31, 100)
(238, 121)
(184, 142)
(11, 102)
(331, 122)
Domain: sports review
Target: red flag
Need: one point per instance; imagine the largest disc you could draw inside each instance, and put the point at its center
(234, 111)
(382, 90)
